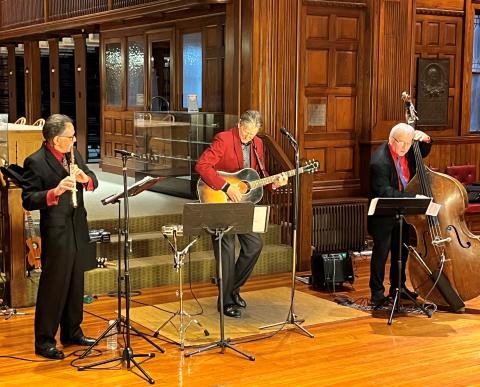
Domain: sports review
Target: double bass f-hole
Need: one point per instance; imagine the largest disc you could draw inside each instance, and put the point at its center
(465, 246)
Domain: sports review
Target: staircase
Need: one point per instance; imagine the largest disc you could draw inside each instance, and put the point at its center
(151, 259)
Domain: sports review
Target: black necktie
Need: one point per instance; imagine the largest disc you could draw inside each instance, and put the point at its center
(65, 164)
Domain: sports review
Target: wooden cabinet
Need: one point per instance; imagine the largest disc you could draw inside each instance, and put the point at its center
(23, 140)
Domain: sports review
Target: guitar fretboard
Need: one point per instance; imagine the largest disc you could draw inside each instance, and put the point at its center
(271, 179)
(31, 226)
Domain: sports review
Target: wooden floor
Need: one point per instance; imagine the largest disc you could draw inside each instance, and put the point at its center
(415, 350)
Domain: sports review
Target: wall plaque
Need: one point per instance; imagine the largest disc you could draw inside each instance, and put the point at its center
(432, 91)
(317, 114)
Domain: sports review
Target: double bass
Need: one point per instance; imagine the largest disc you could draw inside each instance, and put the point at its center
(444, 265)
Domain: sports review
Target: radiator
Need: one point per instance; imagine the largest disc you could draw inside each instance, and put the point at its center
(339, 227)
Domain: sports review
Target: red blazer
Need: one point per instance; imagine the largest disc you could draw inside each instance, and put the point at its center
(225, 154)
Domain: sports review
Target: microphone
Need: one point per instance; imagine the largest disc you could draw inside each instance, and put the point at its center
(125, 153)
(286, 133)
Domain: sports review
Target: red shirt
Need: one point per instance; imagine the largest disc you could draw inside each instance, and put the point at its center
(52, 199)
(403, 165)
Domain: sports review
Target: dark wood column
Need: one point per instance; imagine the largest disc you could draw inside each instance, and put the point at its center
(81, 93)
(54, 76)
(32, 81)
(12, 84)
(238, 59)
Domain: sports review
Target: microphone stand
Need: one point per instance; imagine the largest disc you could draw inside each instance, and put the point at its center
(292, 317)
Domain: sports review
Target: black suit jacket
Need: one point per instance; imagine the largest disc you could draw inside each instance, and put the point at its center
(63, 229)
(384, 184)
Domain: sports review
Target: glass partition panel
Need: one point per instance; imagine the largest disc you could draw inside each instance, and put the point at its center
(169, 145)
(113, 73)
(135, 72)
(192, 67)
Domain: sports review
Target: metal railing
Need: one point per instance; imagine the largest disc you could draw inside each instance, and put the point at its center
(18, 13)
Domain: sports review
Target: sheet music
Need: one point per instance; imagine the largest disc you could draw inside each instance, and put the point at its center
(260, 219)
(433, 209)
(373, 205)
(134, 189)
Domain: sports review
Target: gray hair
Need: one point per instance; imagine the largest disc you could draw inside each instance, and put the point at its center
(251, 117)
(401, 128)
(55, 125)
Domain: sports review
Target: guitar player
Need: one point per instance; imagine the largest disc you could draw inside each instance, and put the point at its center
(231, 151)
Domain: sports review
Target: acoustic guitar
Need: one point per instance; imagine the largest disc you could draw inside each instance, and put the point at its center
(33, 242)
(248, 182)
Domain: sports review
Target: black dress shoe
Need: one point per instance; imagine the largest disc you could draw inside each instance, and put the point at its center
(239, 301)
(405, 294)
(50, 353)
(81, 340)
(231, 311)
(413, 295)
(379, 301)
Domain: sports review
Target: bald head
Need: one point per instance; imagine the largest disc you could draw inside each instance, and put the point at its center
(402, 129)
(401, 138)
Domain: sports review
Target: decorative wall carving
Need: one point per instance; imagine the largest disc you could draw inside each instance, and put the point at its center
(432, 91)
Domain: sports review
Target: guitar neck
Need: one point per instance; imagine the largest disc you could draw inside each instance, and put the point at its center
(270, 179)
(31, 226)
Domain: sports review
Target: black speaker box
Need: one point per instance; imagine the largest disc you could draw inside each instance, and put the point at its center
(328, 269)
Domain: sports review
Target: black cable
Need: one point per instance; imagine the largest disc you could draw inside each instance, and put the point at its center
(74, 353)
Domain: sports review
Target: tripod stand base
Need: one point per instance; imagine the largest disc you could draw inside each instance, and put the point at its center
(128, 356)
(396, 307)
(182, 327)
(220, 344)
(122, 323)
(291, 320)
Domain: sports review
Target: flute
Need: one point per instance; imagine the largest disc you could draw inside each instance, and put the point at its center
(72, 175)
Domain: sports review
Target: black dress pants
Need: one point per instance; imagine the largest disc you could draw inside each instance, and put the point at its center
(381, 248)
(236, 272)
(59, 300)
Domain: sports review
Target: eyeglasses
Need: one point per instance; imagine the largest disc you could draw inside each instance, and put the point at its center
(69, 137)
(403, 143)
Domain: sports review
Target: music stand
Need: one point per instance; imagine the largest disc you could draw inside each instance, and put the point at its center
(127, 353)
(399, 207)
(218, 219)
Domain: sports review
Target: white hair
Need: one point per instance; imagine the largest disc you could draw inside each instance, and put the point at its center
(401, 128)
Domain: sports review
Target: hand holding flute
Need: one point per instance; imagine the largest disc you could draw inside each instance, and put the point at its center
(69, 183)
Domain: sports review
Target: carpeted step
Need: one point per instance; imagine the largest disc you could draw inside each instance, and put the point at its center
(153, 243)
(136, 224)
(148, 272)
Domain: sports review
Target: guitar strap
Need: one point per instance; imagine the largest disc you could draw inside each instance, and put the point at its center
(260, 165)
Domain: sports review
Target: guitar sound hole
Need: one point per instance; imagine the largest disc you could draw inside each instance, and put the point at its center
(244, 187)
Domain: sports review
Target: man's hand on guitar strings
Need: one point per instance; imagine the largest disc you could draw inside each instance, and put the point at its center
(234, 193)
(280, 181)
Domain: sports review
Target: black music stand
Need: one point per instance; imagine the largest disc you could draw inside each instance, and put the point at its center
(127, 353)
(399, 207)
(218, 219)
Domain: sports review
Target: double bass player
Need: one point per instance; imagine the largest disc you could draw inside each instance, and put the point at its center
(392, 166)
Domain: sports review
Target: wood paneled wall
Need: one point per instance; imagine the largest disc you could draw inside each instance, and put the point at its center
(440, 36)
(392, 63)
(330, 91)
(274, 62)
(460, 151)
